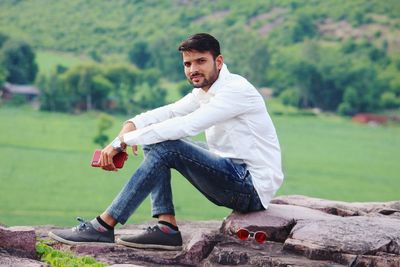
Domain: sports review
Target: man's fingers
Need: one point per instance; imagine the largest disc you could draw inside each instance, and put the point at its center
(110, 167)
(106, 158)
(135, 150)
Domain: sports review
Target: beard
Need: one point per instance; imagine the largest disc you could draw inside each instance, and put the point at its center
(207, 80)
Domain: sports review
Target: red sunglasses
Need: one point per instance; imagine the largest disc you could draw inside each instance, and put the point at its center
(244, 234)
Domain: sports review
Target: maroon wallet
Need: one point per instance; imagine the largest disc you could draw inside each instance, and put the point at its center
(118, 159)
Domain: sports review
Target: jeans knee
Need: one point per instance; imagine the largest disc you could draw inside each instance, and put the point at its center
(161, 147)
(146, 148)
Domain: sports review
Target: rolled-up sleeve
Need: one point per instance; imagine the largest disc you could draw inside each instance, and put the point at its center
(227, 103)
(181, 107)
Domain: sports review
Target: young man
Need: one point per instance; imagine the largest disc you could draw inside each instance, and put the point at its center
(240, 169)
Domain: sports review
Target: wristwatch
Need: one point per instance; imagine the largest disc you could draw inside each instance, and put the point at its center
(118, 145)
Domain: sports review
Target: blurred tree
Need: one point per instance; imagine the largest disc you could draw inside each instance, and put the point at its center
(290, 97)
(164, 56)
(88, 86)
(184, 87)
(104, 123)
(3, 39)
(61, 69)
(19, 60)
(95, 56)
(3, 75)
(302, 27)
(149, 97)
(140, 55)
(389, 100)
(53, 96)
(349, 46)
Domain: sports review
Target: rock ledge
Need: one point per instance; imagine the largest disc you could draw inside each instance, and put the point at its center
(301, 231)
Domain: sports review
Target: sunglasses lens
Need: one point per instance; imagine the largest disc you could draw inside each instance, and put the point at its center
(242, 234)
(260, 237)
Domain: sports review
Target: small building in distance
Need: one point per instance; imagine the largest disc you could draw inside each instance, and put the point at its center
(369, 118)
(29, 93)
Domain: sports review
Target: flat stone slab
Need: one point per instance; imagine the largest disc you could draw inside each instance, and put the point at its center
(342, 208)
(19, 241)
(370, 240)
(232, 252)
(277, 221)
(360, 235)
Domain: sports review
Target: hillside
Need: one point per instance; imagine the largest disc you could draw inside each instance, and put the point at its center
(112, 26)
(310, 52)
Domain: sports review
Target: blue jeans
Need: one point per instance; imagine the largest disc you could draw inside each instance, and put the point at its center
(219, 179)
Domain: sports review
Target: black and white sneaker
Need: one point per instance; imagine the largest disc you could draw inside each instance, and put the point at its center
(153, 237)
(83, 233)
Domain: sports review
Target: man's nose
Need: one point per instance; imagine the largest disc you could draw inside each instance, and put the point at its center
(194, 68)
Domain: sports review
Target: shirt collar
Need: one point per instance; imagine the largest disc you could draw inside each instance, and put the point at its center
(223, 74)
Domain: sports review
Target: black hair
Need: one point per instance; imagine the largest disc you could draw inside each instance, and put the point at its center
(201, 42)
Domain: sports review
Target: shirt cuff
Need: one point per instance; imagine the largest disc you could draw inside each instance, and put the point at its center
(135, 137)
(130, 138)
(137, 122)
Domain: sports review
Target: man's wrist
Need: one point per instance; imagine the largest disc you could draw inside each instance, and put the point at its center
(118, 144)
(129, 126)
(123, 144)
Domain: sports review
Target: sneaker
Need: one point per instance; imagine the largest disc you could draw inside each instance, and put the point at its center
(153, 237)
(83, 233)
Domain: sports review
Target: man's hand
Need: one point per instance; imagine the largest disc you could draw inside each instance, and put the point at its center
(129, 127)
(135, 150)
(106, 159)
(107, 154)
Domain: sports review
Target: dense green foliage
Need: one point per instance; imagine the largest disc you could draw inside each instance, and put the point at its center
(17, 61)
(45, 157)
(336, 55)
(57, 258)
(114, 88)
(104, 123)
(3, 70)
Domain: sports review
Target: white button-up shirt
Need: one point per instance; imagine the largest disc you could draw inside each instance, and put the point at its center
(236, 123)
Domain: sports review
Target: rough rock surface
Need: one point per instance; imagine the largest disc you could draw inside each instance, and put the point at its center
(318, 230)
(9, 260)
(19, 241)
(301, 231)
(199, 239)
(342, 208)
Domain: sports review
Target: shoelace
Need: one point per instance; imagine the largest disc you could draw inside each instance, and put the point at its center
(150, 229)
(83, 225)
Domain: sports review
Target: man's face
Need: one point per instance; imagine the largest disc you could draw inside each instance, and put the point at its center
(201, 69)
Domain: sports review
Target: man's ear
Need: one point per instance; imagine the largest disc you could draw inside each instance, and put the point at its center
(219, 60)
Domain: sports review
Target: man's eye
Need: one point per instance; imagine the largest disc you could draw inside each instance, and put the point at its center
(186, 64)
(202, 60)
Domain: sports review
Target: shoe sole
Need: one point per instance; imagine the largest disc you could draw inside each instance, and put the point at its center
(154, 246)
(69, 242)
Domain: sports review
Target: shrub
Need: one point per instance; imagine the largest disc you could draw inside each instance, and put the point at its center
(290, 97)
(389, 100)
(60, 258)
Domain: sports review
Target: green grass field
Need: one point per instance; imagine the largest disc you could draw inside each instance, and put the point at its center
(48, 60)
(46, 178)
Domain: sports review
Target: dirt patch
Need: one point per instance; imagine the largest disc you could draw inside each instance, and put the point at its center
(270, 20)
(271, 15)
(217, 15)
(374, 32)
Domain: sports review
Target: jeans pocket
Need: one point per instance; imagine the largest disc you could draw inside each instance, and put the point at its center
(239, 169)
(237, 201)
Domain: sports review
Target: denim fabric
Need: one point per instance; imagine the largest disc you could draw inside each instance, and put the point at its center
(221, 180)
